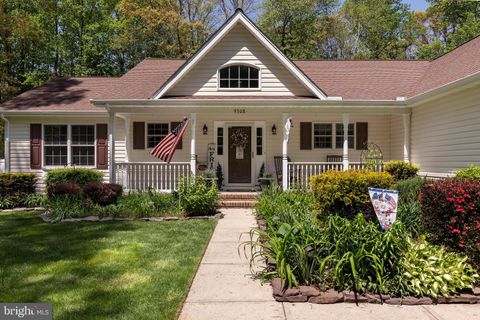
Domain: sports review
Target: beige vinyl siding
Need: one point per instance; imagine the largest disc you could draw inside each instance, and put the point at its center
(239, 46)
(446, 133)
(20, 140)
(396, 137)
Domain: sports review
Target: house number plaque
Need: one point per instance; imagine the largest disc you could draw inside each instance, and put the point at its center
(239, 111)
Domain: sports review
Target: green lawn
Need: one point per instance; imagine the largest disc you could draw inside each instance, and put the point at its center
(110, 270)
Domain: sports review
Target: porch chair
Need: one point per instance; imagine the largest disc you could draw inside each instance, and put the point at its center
(278, 167)
(334, 158)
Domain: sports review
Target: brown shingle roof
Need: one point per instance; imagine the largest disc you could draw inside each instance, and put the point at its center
(351, 80)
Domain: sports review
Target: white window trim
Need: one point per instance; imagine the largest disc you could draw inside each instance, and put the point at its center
(168, 123)
(354, 135)
(69, 145)
(332, 136)
(231, 64)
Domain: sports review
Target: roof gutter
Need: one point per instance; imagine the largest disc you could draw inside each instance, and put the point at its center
(250, 102)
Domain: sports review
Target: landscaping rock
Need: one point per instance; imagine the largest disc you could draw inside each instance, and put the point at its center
(277, 287)
(291, 292)
(292, 299)
(271, 263)
(349, 296)
(106, 219)
(375, 298)
(309, 291)
(476, 291)
(414, 301)
(441, 300)
(45, 217)
(167, 219)
(394, 301)
(465, 298)
(219, 215)
(330, 296)
(90, 218)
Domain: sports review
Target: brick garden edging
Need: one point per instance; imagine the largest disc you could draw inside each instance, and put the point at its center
(313, 295)
(47, 219)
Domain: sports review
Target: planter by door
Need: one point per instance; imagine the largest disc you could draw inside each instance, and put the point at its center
(240, 155)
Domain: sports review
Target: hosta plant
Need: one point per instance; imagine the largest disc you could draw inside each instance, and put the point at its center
(431, 271)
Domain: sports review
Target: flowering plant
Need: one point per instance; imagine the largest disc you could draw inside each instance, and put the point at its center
(451, 213)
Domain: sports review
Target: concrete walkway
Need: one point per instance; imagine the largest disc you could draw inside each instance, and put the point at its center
(223, 289)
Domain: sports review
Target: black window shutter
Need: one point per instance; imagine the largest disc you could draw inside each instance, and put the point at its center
(362, 135)
(305, 136)
(138, 135)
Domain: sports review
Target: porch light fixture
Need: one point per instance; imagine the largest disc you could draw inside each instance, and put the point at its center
(274, 129)
(205, 129)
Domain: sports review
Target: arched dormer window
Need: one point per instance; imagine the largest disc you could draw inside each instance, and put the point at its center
(239, 77)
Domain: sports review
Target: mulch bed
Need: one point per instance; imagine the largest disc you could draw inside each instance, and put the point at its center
(46, 218)
(313, 294)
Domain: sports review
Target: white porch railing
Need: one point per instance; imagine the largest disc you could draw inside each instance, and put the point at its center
(300, 173)
(141, 176)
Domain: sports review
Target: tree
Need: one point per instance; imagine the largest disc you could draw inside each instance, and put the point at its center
(448, 24)
(228, 7)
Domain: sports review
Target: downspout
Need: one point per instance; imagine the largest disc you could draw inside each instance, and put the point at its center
(7, 142)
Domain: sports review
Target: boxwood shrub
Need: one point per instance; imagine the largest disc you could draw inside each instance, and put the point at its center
(401, 170)
(80, 176)
(346, 192)
(472, 172)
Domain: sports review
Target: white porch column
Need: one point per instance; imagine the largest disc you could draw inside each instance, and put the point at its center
(193, 159)
(406, 137)
(6, 134)
(284, 154)
(346, 119)
(111, 147)
(128, 122)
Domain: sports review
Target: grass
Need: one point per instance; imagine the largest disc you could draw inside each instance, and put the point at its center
(111, 270)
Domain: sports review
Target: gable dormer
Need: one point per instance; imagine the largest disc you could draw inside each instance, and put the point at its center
(238, 60)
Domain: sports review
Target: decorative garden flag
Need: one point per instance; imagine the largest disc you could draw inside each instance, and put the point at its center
(166, 148)
(385, 205)
(288, 126)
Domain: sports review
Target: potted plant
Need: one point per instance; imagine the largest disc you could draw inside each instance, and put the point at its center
(209, 178)
(264, 177)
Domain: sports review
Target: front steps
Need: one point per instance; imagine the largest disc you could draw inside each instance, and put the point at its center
(237, 199)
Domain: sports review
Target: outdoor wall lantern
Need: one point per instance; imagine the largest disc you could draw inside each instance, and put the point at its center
(205, 129)
(274, 129)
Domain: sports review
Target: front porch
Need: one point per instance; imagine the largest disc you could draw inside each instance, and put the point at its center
(318, 142)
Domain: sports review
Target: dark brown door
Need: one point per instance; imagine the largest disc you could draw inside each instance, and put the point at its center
(240, 158)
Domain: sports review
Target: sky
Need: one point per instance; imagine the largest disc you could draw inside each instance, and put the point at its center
(417, 4)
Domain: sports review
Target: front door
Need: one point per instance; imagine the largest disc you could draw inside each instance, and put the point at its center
(239, 155)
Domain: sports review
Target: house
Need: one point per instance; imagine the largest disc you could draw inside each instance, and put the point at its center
(238, 91)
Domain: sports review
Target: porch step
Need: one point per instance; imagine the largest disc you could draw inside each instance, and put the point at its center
(237, 199)
(229, 196)
(237, 203)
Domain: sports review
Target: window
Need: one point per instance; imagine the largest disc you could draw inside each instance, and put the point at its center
(219, 141)
(239, 77)
(322, 135)
(83, 145)
(62, 148)
(339, 135)
(56, 145)
(155, 133)
(259, 141)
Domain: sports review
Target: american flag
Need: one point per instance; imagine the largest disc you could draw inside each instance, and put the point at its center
(166, 148)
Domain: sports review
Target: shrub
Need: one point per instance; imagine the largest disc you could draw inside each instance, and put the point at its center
(103, 193)
(409, 190)
(71, 190)
(80, 176)
(401, 170)
(346, 192)
(196, 197)
(472, 172)
(17, 183)
(65, 206)
(451, 215)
